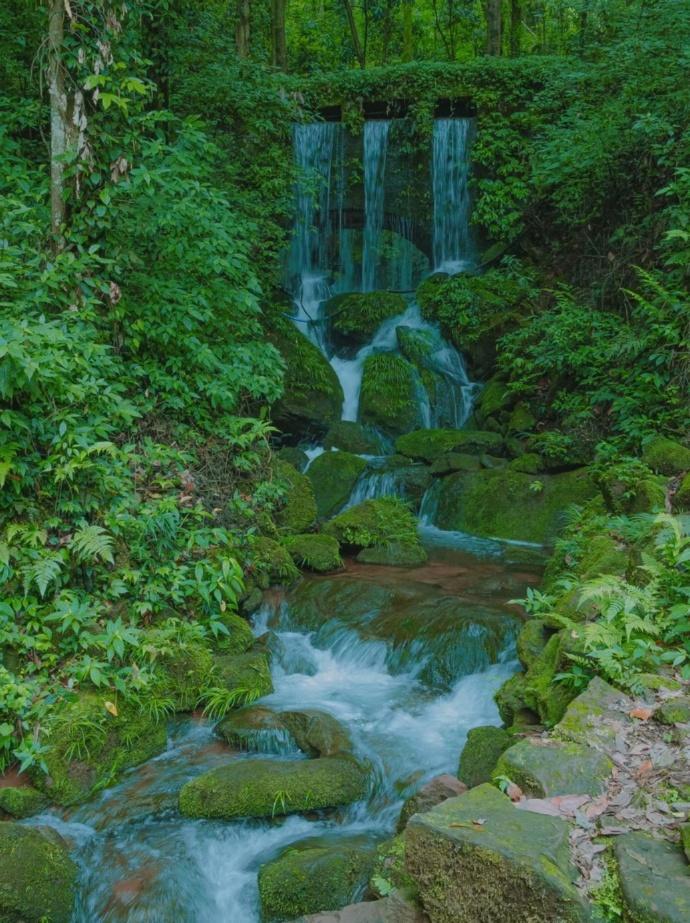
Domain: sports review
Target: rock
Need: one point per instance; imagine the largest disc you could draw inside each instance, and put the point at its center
(271, 563)
(239, 637)
(294, 456)
(673, 711)
(546, 768)
(271, 788)
(603, 555)
(490, 461)
(354, 317)
(256, 729)
(21, 801)
(665, 456)
(455, 461)
(377, 524)
(504, 503)
(314, 875)
(532, 640)
(390, 873)
(522, 420)
(594, 716)
(654, 879)
(38, 877)
(247, 675)
(527, 463)
(389, 397)
(494, 398)
(353, 437)
(182, 670)
(396, 554)
(333, 476)
(513, 866)
(320, 553)
(86, 746)
(312, 395)
(392, 909)
(429, 444)
(432, 793)
(480, 754)
(298, 512)
(317, 733)
(251, 600)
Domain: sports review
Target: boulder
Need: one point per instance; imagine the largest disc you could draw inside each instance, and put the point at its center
(527, 462)
(239, 638)
(317, 733)
(182, 670)
(376, 524)
(37, 877)
(248, 675)
(270, 563)
(256, 729)
(429, 444)
(294, 456)
(522, 420)
(477, 857)
(429, 795)
(389, 397)
(271, 788)
(314, 875)
(21, 801)
(665, 456)
(354, 317)
(654, 879)
(672, 711)
(544, 768)
(298, 512)
(455, 461)
(390, 873)
(320, 553)
(494, 398)
(531, 641)
(594, 716)
(349, 436)
(333, 476)
(681, 498)
(394, 908)
(480, 754)
(396, 554)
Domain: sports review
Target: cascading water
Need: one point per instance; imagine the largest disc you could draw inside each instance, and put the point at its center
(452, 201)
(375, 150)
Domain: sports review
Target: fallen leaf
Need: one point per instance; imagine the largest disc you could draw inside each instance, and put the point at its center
(514, 792)
(643, 712)
(111, 707)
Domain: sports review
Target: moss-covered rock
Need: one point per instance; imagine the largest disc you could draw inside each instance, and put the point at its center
(37, 876)
(389, 397)
(527, 462)
(239, 637)
(314, 875)
(429, 795)
(681, 498)
(320, 553)
(455, 461)
(312, 395)
(86, 746)
(518, 861)
(592, 718)
(255, 729)
(522, 420)
(654, 879)
(21, 801)
(354, 317)
(544, 768)
(665, 456)
(247, 675)
(298, 512)
(270, 788)
(386, 525)
(503, 503)
(317, 733)
(685, 839)
(428, 444)
(333, 476)
(349, 436)
(389, 872)
(182, 672)
(396, 554)
(531, 641)
(672, 711)
(293, 455)
(480, 754)
(271, 563)
(494, 398)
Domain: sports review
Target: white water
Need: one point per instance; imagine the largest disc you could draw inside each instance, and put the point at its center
(452, 144)
(375, 150)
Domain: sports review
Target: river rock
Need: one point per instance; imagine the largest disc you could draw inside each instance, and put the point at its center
(21, 801)
(594, 716)
(432, 793)
(481, 752)
(269, 788)
(256, 729)
(317, 733)
(394, 908)
(455, 461)
(430, 444)
(514, 865)
(37, 876)
(389, 397)
(654, 879)
(386, 525)
(314, 875)
(354, 317)
(239, 638)
(247, 675)
(333, 476)
(349, 436)
(294, 456)
(544, 768)
(299, 507)
(319, 553)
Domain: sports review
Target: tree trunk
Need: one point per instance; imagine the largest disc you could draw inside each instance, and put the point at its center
(242, 29)
(515, 27)
(354, 32)
(279, 37)
(408, 50)
(493, 27)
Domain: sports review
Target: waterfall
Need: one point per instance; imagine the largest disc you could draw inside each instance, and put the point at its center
(375, 148)
(452, 201)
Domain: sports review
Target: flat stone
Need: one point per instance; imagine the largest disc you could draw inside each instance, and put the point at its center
(594, 717)
(392, 909)
(654, 879)
(547, 768)
(477, 858)
(434, 792)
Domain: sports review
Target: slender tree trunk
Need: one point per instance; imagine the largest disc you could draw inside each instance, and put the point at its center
(243, 28)
(354, 32)
(279, 36)
(493, 27)
(408, 50)
(515, 27)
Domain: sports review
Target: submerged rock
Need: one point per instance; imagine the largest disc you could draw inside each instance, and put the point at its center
(654, 879)
(314, 875)
(396, 554)
(298, 513)
(21, 801)
(320, 553)
(354, 317)
(333, 476)
(389, 397)
(432, 793)
(481, 752)
(37, 876)
(271, 788)
(514, 865)
(547, 768)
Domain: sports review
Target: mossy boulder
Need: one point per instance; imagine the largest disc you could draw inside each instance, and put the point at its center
(21, 801)
(396, 554)
(654, 879)
(298, 512)
(531, 641)
(389, 396)
(239, 637)
(256, 729)
(37, 876)
(503, 503)
(317, 733)
(314, 875)
(312, 395)
(429, 444)
(293, 455)
(480, 754)
(544, 768)
(514, 865)
(320, 553)
(665, 456)
(333, 476)
(672, 711)
(182, 671)
(455, 461)
(354, 317)
(386, 526)
(521, 420)
(270, 788)
(594, 716)
(270, 563)
(429, 795)
(86, 746)
(527, 462)
(247, 675)
(389, 872)
(349, 436)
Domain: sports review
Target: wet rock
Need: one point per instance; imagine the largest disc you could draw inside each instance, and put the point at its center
(392, 909)
(298, 512)
(654, 879)
(37, 876)
(513, 865)
(396, 554)
(532, 640)
(354, 317)
(674, 711)
(21, 801)
(379, 524)
(349, 436)
(313, 876)
(320, 553)
(248, 675)
(256, 729)
(546, 768)
(429, 444)
(271, 788)
(665, 456)
(333, 476)
(432, 793)
(389, 397)
(481, 752)
(317, 733)
(455, 461)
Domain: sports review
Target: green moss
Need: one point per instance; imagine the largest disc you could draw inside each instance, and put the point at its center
(681, 499)
(333, 476)
(86, 746)
(320, 553)
(531, 641)
(480, 754)
(664, 456)
(248, 675)
(269, 788)
(428, 444)
(21, 802)
(355, 317)
(375, 523)
(685, 839)
(395, 554)
(522, 420)
(528, 463)
(294, 456)
(389, 872)
(543, 769)
(37, 877)
(349, 436)
(494, 398)
(455, 461)
(298, 513)
(271, 563)
(240, 636)
(674, 711)
(389, 395)
(183, 672)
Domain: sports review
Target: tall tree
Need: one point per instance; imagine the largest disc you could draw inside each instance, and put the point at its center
(61, 121)
(354, 32)
(493, 27)
(515, 26)
(408, 48)
(243, 28)
(279, 38)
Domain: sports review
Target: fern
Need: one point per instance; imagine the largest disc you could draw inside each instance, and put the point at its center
(42, 572)
(92, 543)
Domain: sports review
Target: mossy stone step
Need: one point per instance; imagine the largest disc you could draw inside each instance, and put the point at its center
(594, 715)
(37, 876)
(654, 878)
(547, 768)
(480, 754)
